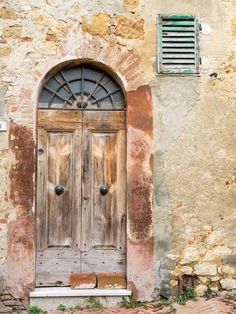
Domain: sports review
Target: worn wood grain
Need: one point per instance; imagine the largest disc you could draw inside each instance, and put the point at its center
(104, 163)
(80, 230)
(60, 172)
(56, 272)
(59, 119)
(42, 190)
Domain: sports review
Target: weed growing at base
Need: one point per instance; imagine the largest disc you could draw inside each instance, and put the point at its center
(34, 310)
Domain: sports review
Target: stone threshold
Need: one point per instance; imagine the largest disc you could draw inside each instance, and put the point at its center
(68, 292)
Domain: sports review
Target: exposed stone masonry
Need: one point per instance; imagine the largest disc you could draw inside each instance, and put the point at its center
(9, 304)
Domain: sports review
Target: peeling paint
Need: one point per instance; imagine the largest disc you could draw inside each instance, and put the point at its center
(21, 255)
(21, 174)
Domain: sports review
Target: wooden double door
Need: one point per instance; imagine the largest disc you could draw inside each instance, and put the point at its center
(81, 194)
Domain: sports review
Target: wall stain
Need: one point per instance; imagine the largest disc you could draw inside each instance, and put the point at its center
(140, 114)
(21, 174)
(140, 215)
(21, 256)
(21, 232)
(140, 131)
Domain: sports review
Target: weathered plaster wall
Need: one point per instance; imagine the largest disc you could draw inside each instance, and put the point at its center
(194, 159)
(194, 132)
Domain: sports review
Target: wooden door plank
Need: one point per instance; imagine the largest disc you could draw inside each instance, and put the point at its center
(58, 253)
(87, 193)
(41, 211)
(106, 119)
(56, 272)
(76, 210)
(60, 173)
(103, 265)
(121, 214)
(59, 119)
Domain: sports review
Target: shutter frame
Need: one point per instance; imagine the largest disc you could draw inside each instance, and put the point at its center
(178, 36)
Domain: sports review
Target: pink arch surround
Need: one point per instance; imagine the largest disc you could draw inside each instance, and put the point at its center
(124, 66)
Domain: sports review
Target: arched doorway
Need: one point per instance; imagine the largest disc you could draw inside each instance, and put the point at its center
(81, 175)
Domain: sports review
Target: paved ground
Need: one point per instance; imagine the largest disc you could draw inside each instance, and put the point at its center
(212, 306)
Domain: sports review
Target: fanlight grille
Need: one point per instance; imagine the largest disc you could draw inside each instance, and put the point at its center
(82, 87)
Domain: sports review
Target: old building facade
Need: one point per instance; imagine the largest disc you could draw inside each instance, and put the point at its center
(175, 172)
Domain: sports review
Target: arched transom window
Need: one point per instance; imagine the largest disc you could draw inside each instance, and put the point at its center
(82, 87)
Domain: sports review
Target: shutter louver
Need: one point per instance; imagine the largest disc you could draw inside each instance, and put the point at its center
(178, 44)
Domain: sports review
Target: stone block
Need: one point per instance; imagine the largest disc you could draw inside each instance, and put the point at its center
(13, 32)
(227, 270)
(190, 255)
(216, 253)
(214, 287)
(228, 284)
(216, 238)
(6, 297)
(18, 307)
(12, 303)
(5, 51)
(230, 260)
(111, 281)
(201, 290)
(131, 3)
(186, 270)
(83, 280)
(7, 14)
(205, 269)
(234, 27)
(203, 279)
(97, 25)
(5, 309)
(129, 28)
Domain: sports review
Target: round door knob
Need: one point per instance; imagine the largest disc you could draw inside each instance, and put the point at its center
(59, 189)
(103, 190)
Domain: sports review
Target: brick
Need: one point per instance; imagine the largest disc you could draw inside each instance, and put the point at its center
(83, 280)
(111, 281)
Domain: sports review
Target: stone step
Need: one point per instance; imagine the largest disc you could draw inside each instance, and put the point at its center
(50, 298)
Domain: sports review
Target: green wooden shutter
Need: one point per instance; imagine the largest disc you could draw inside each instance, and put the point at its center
(178, 50)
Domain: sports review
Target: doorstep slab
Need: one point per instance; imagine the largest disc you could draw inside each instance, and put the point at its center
(50, 298)
(68, 292)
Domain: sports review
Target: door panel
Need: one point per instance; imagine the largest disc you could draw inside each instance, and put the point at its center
(58, 217)
(104, 216)
(104, 173)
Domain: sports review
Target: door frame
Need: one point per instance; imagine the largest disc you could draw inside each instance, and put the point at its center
(139, 125)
